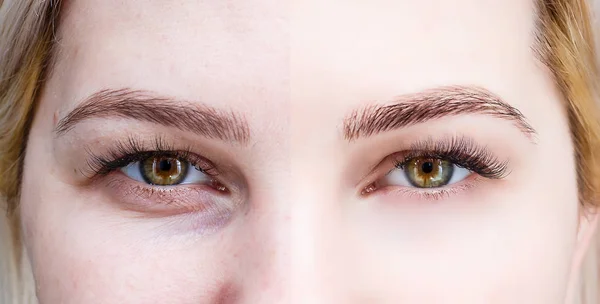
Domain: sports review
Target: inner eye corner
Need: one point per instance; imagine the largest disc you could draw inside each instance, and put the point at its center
(368, 189)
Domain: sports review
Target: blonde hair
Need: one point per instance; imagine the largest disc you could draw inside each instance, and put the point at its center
(564, 44)
(26, 38)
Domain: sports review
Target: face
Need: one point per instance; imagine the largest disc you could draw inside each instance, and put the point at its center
(318, 152)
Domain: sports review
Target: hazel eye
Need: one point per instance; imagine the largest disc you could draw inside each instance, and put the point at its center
(422, 172)
(165, 171)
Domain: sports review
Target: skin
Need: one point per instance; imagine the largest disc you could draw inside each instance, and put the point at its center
(300, 231)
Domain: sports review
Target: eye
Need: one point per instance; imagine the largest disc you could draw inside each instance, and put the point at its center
(165, 171)
(422, 172)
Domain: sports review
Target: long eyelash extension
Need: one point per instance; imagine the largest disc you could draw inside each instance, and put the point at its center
(133, 150)
(461, 151)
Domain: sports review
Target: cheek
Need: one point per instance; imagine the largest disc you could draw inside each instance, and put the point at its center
(80, 259)
(513, 243)
(507, 256)
(83, 253)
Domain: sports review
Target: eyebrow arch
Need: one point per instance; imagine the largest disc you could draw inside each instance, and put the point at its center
(150, 107)
(416, 108)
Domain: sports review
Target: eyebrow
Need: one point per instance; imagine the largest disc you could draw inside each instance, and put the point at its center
(411, 109)
(150, 107)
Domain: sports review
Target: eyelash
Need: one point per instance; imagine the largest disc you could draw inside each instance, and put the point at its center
(133, 150)
(461, 151)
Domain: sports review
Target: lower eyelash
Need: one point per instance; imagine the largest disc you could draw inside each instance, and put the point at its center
(161, 202)
(431, 194)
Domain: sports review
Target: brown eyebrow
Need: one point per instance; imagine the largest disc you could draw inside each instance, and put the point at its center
(431, 104)
(147, 106)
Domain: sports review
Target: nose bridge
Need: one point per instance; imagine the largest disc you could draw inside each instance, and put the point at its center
(292, 258)
(314, 222)
(264, 260)
(264, 251)
(313, 201)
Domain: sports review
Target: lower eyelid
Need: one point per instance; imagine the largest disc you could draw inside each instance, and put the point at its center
(168, 200)
(429, 194)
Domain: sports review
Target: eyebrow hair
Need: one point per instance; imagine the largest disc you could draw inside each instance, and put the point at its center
(147, 106)
(431, 104)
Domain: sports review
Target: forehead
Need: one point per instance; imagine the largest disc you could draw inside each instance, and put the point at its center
(211, 51)
(241, 51)
(391, 47)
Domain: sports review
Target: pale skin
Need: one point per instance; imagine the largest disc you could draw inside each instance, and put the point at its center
(298, 226)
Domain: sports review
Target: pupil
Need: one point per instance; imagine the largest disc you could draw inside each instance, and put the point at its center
(165, 165)
(427, 167)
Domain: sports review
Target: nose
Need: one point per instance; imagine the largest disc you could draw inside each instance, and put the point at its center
(288, 253)
(261, 242)
(264, 260)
